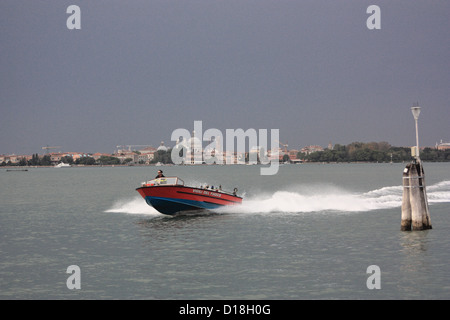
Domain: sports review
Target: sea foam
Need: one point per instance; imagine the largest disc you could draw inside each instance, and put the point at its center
(319, 198)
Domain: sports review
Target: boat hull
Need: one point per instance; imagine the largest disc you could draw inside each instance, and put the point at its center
(171, 200)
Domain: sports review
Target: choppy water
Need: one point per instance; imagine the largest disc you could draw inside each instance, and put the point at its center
(309, 232)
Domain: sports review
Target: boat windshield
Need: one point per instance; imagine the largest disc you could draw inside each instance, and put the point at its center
(169, 181)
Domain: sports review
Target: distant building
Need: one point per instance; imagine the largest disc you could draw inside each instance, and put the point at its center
(443, 145)
(6, 159)
(147, 155)
(75, 155)
(124, 155)
(310, 149)
(293, 155)
(162, 147)
(330, 146)
(56, 156)
(14, 159)
(27, 157)
(148, 150)
(98, 155)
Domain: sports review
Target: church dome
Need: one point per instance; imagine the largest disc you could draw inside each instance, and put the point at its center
(162, 147)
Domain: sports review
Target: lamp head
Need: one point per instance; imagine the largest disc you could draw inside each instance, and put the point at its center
(415, 111)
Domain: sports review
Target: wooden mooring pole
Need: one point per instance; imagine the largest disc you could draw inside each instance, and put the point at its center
(406, 204)
(415, 213)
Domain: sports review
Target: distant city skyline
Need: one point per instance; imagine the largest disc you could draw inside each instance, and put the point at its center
(131, 148)
(136, 71)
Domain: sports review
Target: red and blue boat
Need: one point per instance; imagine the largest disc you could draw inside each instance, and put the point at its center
(170, 196)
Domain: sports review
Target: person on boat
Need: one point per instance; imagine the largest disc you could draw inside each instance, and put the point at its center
(160, 174)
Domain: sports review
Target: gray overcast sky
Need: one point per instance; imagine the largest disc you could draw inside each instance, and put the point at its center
(137, 70)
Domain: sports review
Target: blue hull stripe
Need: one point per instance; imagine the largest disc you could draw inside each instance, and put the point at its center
(171, 206)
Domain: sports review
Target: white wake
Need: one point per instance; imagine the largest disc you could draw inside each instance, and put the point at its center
(136, 205)
(319, 198)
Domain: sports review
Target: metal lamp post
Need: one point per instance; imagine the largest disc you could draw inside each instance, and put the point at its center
(416, 111)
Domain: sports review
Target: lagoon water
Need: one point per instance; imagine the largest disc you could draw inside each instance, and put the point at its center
(309, 232)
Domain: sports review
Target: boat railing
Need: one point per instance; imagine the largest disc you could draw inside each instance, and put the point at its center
(169, 181)
(219, 189)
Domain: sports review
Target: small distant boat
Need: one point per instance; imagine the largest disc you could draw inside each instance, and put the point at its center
(62, 165)
(170, 196)
(12, 170)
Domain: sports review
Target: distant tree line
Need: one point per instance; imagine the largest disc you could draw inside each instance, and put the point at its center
(162, 156)
(372, 152)
(36, 160)
(45, 160)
